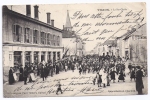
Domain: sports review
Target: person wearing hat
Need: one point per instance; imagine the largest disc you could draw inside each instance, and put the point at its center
(11, 77)
(112, 74)
(132, 75)
(21, 73)
(121, 76)
(139, 81)
(25, 75)
(129, 67)
(99, 79)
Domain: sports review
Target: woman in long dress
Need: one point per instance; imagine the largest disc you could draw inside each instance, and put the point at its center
(11, 77)
(121, 76)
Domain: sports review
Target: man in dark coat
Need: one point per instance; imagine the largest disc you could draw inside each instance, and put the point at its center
(118, 67)
(57, 68)
(129, 67)
(107, 57)
(132, 75)
(73, 67)
(112, 74)
(43, 72)
(11, 77)
(25, 75)
(139, 81)
(21, 73)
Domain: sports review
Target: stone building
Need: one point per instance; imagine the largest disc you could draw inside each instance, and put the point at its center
(29, 40)
(72, 43)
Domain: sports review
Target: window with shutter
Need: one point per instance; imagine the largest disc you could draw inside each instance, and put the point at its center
(47, 38)
(27, 35)
(58, 40)
(50, 39)
(38, 36)
(14, 32)
(20, 34)
(41, 37)
(54, 40)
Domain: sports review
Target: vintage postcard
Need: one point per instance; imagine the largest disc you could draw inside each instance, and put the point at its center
(54, 50)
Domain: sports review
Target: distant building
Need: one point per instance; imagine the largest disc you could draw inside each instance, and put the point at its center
(73, 44)
(27, 40)
(136, 44)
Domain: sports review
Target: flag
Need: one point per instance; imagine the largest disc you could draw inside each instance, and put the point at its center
(65, 53)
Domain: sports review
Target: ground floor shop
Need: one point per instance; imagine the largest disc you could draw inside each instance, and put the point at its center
(14, 55)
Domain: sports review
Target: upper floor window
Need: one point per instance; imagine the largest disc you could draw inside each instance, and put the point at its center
(43, 38)
(27, 35)
(54, 39)
(35, 36)
(48, 39)
(58, 41)
(17, 33)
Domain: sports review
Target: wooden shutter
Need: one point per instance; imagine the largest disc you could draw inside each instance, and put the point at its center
(45, 38)
(14, 32)
(25, 35)
(31, 36)
(38, 37)
(22, 34)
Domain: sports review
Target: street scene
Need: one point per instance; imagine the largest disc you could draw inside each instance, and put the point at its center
(74, 50)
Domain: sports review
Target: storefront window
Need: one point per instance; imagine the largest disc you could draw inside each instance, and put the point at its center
(43, 56)
(58, 55)
(54, 56)
(27, 58)
(49, 56)
(36, 57)
(17, 58)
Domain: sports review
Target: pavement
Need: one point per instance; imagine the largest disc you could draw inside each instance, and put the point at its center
(73, 84)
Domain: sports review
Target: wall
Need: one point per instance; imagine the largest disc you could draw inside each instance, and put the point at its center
(10, 20)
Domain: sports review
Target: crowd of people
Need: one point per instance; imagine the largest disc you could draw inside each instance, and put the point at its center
(106, 67)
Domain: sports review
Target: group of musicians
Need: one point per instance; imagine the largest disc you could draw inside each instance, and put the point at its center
(105, 65)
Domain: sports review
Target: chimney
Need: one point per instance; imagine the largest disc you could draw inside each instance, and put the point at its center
(36, 16)
(48, 18)
(52, 22)
(28, 10)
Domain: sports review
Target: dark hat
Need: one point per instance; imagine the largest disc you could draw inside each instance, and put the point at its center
(138, 67)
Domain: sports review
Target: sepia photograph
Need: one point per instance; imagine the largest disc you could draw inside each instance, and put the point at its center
(72, 50)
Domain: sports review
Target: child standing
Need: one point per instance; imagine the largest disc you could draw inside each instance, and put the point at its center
(59, 88)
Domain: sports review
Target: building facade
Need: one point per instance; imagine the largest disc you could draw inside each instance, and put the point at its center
(28, 40)
(73, 44)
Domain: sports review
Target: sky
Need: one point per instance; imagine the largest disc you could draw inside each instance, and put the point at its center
(59, 13)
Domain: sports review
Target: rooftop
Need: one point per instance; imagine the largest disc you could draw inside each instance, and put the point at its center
(13, 13)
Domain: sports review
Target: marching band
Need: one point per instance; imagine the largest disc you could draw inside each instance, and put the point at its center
(106, 68)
